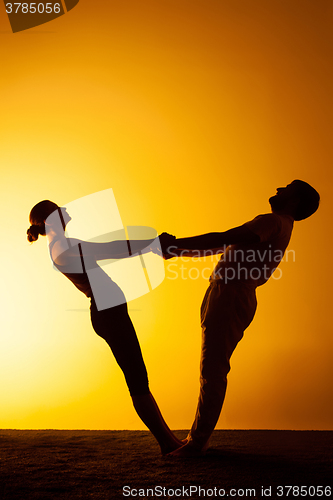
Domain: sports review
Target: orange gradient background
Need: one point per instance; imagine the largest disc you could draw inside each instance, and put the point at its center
(193, 112)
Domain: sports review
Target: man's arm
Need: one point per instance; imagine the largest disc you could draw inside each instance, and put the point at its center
(213, 242)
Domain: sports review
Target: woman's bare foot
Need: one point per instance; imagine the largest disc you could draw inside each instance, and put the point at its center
(186, 451)
(173, 445)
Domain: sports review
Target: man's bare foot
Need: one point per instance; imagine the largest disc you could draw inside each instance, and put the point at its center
(186, 451)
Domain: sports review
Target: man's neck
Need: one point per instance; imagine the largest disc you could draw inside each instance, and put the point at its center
(283, 213)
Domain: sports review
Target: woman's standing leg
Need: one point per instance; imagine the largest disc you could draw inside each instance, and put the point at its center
(116, 328)
(147, 409)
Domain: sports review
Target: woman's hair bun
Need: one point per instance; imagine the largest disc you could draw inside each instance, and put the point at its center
(33, 232)
(38, 215)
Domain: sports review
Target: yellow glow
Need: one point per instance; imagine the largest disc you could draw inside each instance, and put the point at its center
(193, 113)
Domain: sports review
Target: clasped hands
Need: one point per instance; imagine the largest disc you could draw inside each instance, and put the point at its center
(162, 244)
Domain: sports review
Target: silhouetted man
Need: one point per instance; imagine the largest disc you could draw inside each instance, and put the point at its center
(251, 253)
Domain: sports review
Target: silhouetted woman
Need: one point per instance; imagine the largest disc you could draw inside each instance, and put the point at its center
(74, 258)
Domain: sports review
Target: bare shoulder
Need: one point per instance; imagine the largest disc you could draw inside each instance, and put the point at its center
(64, 248)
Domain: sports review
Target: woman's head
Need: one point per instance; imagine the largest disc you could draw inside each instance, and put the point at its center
(37, 218)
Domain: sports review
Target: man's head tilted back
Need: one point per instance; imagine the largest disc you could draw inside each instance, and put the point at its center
(298, 199)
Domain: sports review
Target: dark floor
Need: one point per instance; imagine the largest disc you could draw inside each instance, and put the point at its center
(104, 465)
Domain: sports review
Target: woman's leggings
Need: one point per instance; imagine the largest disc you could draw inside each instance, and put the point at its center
(115, 326)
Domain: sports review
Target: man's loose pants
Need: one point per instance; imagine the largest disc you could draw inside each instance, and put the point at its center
(226, 311)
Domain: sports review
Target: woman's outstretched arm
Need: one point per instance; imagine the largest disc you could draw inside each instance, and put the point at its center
(121, 249)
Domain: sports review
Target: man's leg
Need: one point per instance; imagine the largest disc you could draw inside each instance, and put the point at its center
(226, 311)
(214, 368)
